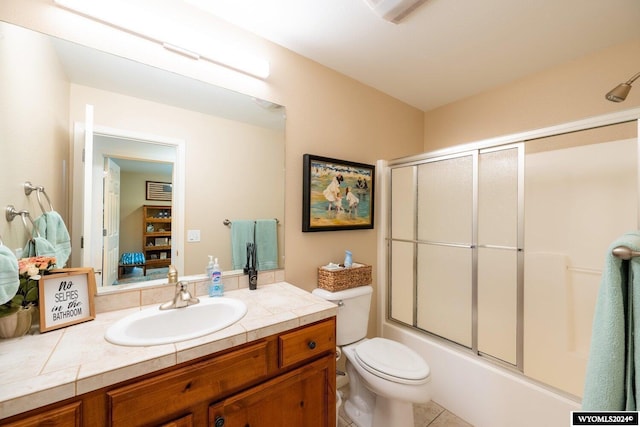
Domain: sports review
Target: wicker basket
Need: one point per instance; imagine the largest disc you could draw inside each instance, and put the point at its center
(346, 278)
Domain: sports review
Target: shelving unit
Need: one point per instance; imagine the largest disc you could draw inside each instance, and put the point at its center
(156, 235)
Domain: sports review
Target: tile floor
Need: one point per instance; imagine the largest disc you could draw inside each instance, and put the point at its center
(430, 414)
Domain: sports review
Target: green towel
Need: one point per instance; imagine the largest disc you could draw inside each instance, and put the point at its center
(610, 381)
(241, 234)
(39, 246)
(51, 226)
(267, 244)
(9, 280)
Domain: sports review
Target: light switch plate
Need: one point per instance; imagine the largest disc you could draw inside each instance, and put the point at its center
(193, 235)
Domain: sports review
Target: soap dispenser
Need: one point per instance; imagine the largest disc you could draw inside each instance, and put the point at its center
(216, 288)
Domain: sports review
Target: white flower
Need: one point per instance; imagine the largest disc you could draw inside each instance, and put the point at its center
(33, 271)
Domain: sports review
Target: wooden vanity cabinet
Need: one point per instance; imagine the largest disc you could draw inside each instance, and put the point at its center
(301, 397)
(164, 395)
(286, 379)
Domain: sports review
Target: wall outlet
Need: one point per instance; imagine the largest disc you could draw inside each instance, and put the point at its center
(193, 235)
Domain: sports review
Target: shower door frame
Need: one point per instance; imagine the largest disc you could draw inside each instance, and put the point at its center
(503, 142)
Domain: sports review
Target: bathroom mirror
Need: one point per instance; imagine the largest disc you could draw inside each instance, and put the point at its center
(233, 144)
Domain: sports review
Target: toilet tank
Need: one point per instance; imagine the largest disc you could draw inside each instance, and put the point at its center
(353, 312)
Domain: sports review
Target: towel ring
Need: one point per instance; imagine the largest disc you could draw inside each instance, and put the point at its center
(29, 188)
(11, 213)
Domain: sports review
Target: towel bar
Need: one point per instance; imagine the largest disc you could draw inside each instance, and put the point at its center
(228, 223)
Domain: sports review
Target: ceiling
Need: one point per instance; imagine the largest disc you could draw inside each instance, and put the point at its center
(445, 50)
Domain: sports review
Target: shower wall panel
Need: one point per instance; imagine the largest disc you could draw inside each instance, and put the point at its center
(579, 199)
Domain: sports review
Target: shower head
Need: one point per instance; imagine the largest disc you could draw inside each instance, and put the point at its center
(620, 92)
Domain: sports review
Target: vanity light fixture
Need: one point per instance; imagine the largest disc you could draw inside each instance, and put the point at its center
(117, 13)
(181, 51)
(394, 10)
(620, 92)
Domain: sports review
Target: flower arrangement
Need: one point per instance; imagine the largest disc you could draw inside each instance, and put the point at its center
(29, 271)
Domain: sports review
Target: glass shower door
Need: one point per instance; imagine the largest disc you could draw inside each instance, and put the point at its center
(445, 207)
(499, 250)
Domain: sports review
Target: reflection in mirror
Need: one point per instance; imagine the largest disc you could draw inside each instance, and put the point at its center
(120, 171)
(233, 157)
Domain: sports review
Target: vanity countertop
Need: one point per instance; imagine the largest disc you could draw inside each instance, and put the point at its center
(44, 368)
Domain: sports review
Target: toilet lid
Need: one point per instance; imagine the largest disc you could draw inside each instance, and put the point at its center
(391, 360)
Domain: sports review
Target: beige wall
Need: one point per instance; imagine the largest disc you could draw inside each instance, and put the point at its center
(33, 139)
(572, 91)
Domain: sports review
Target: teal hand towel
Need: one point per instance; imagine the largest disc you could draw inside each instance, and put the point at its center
(52, 227)
(9, 280)
(39, 246)
(241, 234)
(610, 381)
(267, 244)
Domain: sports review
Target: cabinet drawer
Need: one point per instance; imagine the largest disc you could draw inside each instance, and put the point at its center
(157, 398)
(66, 416)
(307, 343)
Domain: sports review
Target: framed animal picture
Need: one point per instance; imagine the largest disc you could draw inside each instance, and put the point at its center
(336, 194)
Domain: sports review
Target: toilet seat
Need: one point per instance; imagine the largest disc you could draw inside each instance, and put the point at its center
(392, 361)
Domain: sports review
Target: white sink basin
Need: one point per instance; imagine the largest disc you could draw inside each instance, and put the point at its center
(153, 326)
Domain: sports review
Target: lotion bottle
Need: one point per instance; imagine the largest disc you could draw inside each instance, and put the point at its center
(216, 288)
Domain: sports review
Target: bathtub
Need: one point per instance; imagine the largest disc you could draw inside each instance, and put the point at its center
(481, 392)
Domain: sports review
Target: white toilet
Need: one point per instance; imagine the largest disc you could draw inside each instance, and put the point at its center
(385, 377)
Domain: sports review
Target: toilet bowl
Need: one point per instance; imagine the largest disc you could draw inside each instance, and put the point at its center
(385, 377)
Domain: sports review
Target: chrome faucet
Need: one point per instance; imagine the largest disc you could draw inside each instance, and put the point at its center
(182, 298)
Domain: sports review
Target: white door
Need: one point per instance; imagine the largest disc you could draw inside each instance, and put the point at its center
(91, 225)
(111, 222)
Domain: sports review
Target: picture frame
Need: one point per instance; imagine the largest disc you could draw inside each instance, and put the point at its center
(66, 298)
(156, 190)
(161, 241)
(337, 194)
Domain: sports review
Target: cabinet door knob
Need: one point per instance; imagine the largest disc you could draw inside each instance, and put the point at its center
(311, 345)
(219, 421)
